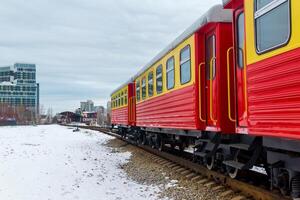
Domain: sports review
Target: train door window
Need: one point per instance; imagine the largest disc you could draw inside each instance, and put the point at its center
(138, 91)
(159, 80)
(122, 99)
(144, 88)
(272, 24)
(211, 57)
(185, 65)
(170, 73)
(150, 84)
(240, 39)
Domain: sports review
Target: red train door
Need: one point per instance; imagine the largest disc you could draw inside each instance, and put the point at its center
(211, 79)
(241, 87)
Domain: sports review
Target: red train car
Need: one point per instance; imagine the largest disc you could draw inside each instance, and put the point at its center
(170, 94)
(229, 87)
(123, 106)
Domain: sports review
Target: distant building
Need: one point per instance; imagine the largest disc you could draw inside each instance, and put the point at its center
(100, 115)
(89, 118)
(87, 106)
(108, 113)
(18, 86)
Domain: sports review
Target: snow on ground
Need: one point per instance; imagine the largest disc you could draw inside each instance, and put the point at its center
(54, 163)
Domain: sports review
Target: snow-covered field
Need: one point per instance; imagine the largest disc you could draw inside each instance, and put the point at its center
(53, 163)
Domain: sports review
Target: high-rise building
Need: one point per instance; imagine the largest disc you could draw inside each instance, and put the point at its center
(18, 86)
(87, 106)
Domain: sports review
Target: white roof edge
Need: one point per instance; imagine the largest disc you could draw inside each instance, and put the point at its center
(214, 14)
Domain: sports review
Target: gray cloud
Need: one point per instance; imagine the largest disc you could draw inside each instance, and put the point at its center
(84, 49)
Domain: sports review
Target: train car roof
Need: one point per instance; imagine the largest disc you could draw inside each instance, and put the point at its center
(214, 14)
(225, 2)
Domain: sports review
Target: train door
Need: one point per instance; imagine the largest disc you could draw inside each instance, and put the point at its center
(240, 68)
(211, 80)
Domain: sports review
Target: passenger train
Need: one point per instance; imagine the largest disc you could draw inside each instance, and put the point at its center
(230, 87)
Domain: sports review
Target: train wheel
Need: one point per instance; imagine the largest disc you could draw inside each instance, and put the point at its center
(181, 147)
(161, 144)
(210, 162)
(144, 139)
(233, 172)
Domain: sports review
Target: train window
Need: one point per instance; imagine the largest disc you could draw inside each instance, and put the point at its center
(122, 99)
(159, 80)
(211, 57)
(185, 65)
(125, 99)
(240, 39)
(272, 24)
(138, 93)
(144, 88)
(150, 84)
(170, 73)
(261, 3)
(119, 102)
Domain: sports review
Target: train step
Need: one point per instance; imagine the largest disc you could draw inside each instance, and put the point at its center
(241, 146)
(200, 154)
(203, 140)
(234, 164)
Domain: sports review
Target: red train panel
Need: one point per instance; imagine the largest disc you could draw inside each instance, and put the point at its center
(274, 96)
(214, 93)
(176, 110)
(120, 116)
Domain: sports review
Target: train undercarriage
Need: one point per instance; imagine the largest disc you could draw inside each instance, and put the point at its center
(234, 155)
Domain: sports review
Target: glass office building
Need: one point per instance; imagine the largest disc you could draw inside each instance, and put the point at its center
(18, 86)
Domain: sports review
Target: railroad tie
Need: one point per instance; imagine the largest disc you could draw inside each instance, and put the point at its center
(176, 167)
(190, 176)
(164, 162)
(196, 178)
(181, 169)
(157, 160)
(217, 188)
(202, 181)
(167, 164)
(186, 172)
(210, 184)
(160, 161)
(172, 165)
(240, 197)
(226, 193)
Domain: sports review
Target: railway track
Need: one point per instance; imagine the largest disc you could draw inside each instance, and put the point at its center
(184, 165)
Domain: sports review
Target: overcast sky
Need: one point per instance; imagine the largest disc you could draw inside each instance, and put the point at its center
(86, 48)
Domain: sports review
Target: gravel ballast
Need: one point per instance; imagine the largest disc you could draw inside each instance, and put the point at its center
(143, 169)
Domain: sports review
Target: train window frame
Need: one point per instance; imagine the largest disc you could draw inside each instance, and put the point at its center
(159, 76)
(144, 88)
(138, 90)
(168, 71)
(214, 37)
(182, 62)
(240, 51)
(260, 12)
(122, 99)
(150, 82)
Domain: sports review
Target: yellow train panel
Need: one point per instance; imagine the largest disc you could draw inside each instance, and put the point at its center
(294, 42)
(176, 53)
